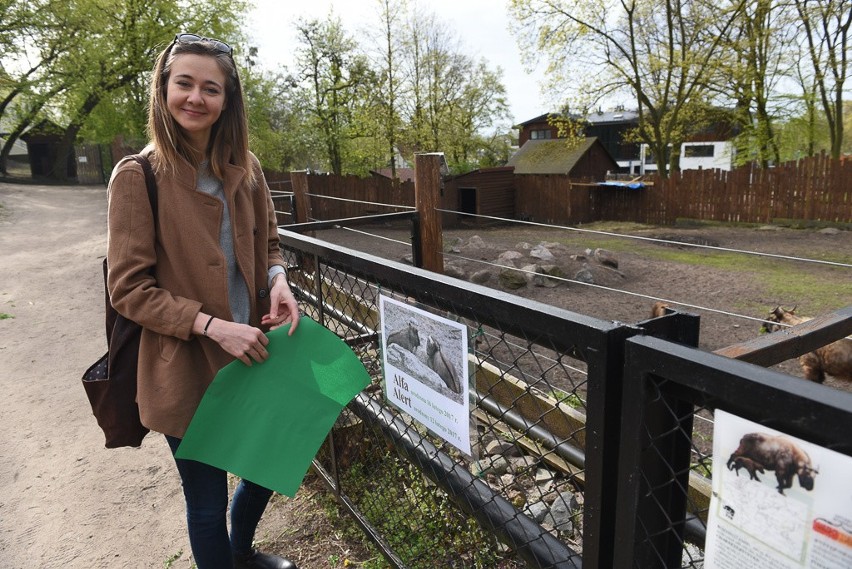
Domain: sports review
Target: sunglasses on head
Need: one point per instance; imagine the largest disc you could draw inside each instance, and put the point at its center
(193, 38)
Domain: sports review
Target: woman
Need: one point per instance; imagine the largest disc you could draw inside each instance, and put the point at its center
(218, 274)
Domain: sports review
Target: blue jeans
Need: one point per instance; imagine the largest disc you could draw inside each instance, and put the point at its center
(205, 488)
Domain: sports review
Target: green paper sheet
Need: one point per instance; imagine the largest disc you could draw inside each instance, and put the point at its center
(266, 422)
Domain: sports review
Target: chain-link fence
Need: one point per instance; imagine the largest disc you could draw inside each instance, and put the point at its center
(555, 477)
(670, 392)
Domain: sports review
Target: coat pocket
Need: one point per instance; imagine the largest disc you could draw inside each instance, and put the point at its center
(168, 347)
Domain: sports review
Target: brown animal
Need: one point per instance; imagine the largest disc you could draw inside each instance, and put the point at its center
(435, 359)
(407, 338)
(751, 466)
(772, 452)
(659, 309)
(835, 359)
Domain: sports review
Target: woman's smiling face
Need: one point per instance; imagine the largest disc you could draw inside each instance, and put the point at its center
(195, 95)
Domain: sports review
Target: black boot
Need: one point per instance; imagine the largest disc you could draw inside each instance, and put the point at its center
(258, 560)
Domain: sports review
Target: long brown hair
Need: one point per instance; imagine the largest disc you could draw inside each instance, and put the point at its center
(229, 135)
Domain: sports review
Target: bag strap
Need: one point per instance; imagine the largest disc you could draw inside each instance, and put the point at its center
(150, 181)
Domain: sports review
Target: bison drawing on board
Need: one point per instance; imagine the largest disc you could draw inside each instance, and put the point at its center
(751, 467)
(759, 451)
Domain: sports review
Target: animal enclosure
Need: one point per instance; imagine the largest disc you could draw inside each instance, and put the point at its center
(573, 407)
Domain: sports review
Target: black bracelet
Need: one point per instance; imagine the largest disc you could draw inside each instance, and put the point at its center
(206, 326)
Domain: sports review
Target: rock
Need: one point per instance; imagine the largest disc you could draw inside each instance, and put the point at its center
(584, 275)
(502, 447)
(541, 280)
(529, 272)
(541, 252)
(512, 279)
(521, 464)
(543, 476)
(508, 258)
(829, 231)
(536, 510)
(553, 271)
(692, 556)
(476, 242)
(562, 512)
(559, 522)
(549, 276)
(496, 465)
(524, 246)
(454, 271)
(607, 258)
(453, 245)
(481, 277)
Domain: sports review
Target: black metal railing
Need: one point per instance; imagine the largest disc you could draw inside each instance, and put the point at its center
(590, 438)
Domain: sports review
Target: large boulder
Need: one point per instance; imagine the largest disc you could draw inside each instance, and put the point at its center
(513, 279)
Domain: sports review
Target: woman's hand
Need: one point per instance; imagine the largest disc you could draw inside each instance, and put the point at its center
(244, 342)
(284, 307)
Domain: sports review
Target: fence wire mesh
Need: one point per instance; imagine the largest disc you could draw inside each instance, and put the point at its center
(674, 433)
(591, 442)
(429, 504)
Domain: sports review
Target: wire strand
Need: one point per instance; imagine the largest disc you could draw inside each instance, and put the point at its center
(408, 207)
(655, 240)
(617, 290)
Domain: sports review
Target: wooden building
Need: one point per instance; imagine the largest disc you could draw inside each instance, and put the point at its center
(484, 192)
(587, 160)
(43, 145)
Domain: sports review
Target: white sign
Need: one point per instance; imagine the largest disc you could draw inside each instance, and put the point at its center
(426, 369)
(778, 502)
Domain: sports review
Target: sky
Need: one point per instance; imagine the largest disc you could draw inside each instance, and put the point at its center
(481, 25)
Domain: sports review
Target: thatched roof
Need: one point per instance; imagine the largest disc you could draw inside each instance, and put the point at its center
(549, 156)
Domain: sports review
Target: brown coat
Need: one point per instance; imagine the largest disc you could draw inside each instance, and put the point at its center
(175, 366)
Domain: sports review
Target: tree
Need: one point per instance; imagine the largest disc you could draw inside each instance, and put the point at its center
(825, 25)
(662, 53)
(335, 77)
(104, 50)
(452, 99)
(753, 63)
(389, 89)
(25, 88)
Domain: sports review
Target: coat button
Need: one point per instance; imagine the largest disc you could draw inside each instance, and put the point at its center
(262, 293)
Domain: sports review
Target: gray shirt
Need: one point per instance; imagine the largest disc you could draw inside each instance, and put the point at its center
(238, 295)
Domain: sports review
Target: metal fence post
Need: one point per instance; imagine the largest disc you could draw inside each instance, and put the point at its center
(652, 496)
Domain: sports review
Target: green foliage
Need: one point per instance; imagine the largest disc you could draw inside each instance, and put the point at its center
(4, 316)
(571, 399)
(169, 563)
(338, 110)
(88, 69)
(419, 521)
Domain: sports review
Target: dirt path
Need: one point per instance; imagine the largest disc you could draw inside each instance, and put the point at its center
(67, 501)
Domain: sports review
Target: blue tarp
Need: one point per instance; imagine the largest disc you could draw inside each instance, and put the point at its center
(630, 185)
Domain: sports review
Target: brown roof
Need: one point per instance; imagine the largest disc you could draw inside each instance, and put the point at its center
(403, 174)
(549, 156)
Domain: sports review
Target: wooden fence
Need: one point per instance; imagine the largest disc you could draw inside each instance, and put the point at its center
(813, 189)
(816, 189)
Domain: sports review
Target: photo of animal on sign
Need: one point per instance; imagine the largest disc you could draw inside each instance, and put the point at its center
(778, 501)
(426, 369)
